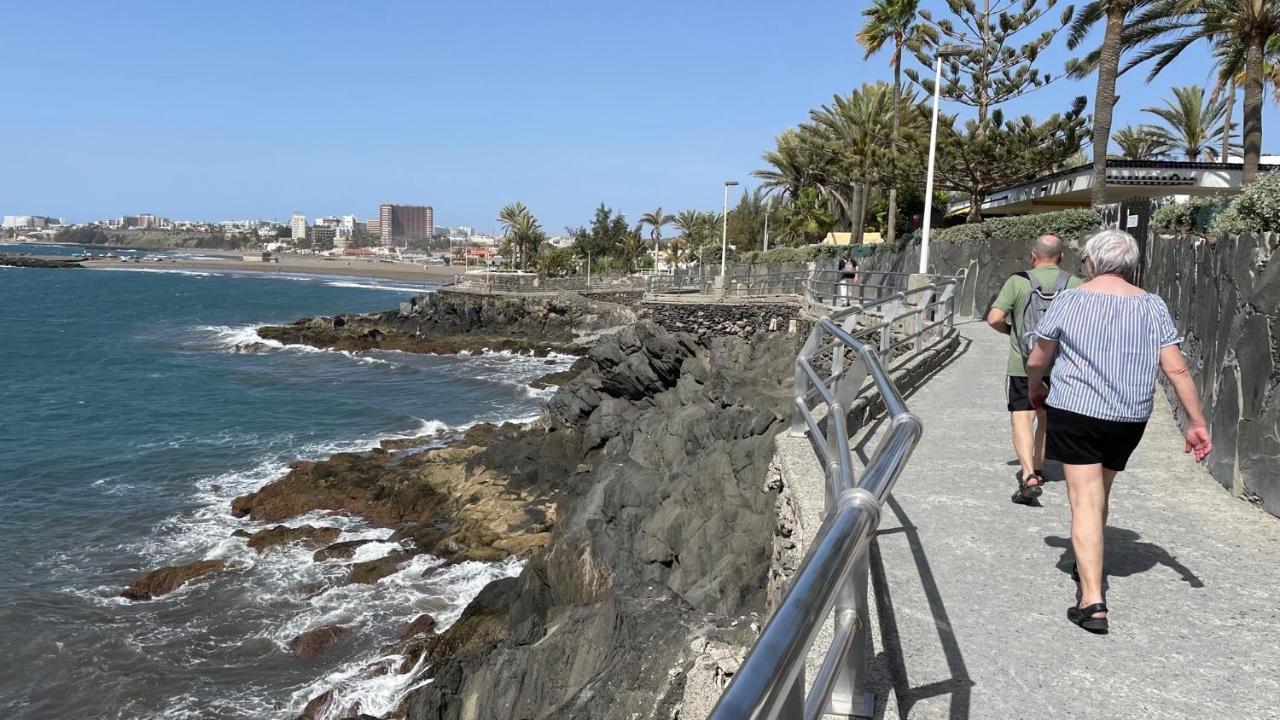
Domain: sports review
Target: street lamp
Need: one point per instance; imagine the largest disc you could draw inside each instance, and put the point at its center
(767, 208)
(943, 51)
(724, 229)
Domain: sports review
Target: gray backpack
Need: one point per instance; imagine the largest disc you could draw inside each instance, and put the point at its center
(1036, 305)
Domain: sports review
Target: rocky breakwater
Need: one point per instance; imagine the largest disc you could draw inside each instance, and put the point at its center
(451, 322)
(657, 456)
(31, 261)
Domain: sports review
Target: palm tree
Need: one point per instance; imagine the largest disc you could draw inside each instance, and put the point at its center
(891, 22)
(1171, 26)
(1106, 60)
(1230, 61)
(689, 223)
(523, 233)
(632, 248)
(851, 131)
(1143, 142)
(656, 220)
(1193, 124)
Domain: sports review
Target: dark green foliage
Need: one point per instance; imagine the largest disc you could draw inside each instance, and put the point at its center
(1194, 216)
(1257, 209)
(606, 237)
(1069, 225)
(83, 235)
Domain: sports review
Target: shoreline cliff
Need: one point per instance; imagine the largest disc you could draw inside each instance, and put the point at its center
(641, 501)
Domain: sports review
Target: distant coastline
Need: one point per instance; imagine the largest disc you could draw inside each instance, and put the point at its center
(300, 265)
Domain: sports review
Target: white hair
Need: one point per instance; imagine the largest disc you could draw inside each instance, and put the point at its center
(1113, 252)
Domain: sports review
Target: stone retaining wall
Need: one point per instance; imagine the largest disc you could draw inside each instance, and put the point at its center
(1224, 294)
(705, 320)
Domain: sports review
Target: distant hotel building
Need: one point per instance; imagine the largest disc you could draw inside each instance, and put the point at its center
(298, 226)
(29, 222)
(145, 221)
(402, 224)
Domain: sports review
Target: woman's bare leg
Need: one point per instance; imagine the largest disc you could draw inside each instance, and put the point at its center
(1087, 493)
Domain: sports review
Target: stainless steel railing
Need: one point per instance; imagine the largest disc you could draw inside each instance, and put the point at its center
(839, 362)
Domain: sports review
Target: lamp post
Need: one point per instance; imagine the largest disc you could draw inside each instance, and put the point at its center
(767, 208)
(943, 51)
(724, 229)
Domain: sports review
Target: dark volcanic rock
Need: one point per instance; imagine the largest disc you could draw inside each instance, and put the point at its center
(169, 578)
(29, 261)
(317, 640)
(450, 322)
(340, 551)
(421, 625)
(664, 532)
(282, 535)
(371, 571)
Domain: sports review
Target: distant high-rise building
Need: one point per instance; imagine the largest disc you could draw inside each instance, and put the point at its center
(323, 237)
(298, 225)
(347, 227)
(402, 224)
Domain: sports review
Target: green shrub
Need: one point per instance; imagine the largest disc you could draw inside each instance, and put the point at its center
(960, 233)
(1256, 209)
(1195, 215)
(804, 253)
(1066, 224)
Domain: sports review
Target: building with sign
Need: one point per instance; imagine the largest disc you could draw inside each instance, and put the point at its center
(1126, 179)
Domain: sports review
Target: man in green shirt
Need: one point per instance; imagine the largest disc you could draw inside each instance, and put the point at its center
(1006, 316)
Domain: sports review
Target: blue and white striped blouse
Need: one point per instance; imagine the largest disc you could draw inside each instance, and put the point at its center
(1108, 352)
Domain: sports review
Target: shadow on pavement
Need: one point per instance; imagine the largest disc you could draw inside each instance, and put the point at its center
(960, 684)
(868, 431)
(1125, 554)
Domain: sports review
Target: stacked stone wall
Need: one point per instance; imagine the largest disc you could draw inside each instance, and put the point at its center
(1224, 294)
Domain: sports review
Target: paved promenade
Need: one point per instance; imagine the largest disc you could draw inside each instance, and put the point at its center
(971, 590)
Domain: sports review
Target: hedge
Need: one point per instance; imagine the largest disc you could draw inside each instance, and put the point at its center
(1067, 224)
(1195, 215)
(1255, 209)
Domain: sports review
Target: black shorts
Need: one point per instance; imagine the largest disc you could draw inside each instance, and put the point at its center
(1019, 397)
(1076, 439)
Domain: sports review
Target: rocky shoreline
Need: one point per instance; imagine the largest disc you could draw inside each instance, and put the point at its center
(32, 261)
(642, 503)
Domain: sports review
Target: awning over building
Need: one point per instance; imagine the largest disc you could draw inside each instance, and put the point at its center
(1125, 179)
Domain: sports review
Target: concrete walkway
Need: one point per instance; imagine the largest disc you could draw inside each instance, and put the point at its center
(971, 590)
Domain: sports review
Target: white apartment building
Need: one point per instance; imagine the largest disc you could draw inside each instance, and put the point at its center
(298, 225)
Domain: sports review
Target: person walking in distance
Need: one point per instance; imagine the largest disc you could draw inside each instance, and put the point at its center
(1108, 337)
(1022, 301)
(848, 268)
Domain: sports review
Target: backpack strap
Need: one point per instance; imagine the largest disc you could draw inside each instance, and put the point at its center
(1060, 284)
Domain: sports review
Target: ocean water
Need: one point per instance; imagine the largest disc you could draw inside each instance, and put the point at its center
(128, 423)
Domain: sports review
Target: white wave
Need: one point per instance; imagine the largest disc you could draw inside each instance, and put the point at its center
(378, 286)
(170, 271)
(232, 337)
(373, 683)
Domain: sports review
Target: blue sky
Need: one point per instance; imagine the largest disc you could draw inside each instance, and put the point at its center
(255, 109)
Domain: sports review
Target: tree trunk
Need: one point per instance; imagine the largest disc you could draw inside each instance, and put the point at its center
(975, 208)
(1252, 108)
(1103, 101)
(891, 221)
(1226, 129)
(859, 216)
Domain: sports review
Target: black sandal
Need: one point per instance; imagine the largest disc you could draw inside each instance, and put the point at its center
(1083, 616)
(1026, 494)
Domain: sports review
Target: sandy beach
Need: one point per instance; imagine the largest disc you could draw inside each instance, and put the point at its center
(304, 265)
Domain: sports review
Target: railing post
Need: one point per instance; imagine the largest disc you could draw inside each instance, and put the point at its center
(793, 706)
(849, 696)
(811, 343)
(886, 333)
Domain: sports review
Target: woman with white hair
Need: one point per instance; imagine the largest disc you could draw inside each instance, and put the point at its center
(1109, 337)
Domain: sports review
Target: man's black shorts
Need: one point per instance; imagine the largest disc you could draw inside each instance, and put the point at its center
(1016, 389)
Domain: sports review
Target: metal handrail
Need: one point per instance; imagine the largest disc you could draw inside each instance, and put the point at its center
(832, 577)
